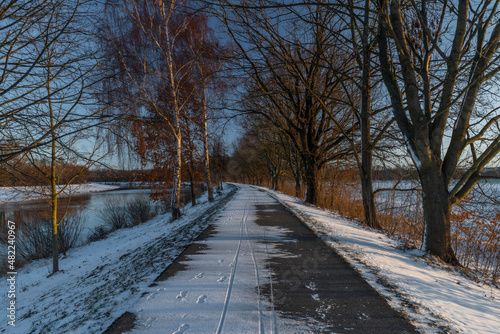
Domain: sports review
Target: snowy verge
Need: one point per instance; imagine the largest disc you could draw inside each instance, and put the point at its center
(19, 194)
(101, 280)
(433, 297)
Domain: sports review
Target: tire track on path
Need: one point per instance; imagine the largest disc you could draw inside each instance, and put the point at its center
(233, 271)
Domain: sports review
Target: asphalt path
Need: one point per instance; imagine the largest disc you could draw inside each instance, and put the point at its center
(259, 269)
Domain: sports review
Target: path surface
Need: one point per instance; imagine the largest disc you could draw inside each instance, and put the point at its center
(258, 269)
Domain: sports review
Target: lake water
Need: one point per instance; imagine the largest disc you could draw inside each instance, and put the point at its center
(88, 205)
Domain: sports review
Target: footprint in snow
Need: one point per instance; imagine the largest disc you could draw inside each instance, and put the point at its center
(181, 295)
(220, 261)
(201, 299)
(311, 286)
(221, 279)
(182, 328)
(149, 322)
(150, 296)
(200, 275)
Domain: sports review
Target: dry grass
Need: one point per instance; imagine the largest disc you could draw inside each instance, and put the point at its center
(476, 240)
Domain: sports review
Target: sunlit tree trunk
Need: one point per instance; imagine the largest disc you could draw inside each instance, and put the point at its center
(175, 200)
(206, 156)
(53, 184)
(470, 45)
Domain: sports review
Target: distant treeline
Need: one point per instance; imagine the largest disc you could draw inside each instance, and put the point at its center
(119, 175)
(23, 173)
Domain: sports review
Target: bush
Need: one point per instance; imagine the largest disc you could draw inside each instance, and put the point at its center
(114, 214)
(34, 240)
(69, 231)
(139, 210)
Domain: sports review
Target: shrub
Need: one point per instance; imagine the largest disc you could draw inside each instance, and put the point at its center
(34, 240)
(139, 210)
(99, 233)
(69, 231)
(114, 214)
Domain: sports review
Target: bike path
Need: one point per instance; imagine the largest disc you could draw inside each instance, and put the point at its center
(259, 269)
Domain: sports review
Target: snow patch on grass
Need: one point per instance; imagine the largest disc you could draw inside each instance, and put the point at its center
(100, 280)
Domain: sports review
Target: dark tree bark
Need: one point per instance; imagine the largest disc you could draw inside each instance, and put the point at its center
(296, 74)
(311, 176)
(462, 42)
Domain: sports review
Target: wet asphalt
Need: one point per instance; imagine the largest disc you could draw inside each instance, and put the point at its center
(311, 283)
(318, 287)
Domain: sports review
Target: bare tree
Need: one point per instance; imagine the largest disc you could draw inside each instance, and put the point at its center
(295, 67)
(66, 71)
(440, 62)
(24, 24)
(150, 39)
(210, 86)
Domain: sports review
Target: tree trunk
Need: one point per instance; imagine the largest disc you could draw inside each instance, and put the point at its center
(208, 178)
(297, 174)
(437, 211)
(297, 186)
(55, 243)
(191, 178)
(367, 153)
(370, 210)
(311, 172)
(53, 178)
(175, 202)
(219, 182)
(274, 179)
(193, 190)
(366, 139)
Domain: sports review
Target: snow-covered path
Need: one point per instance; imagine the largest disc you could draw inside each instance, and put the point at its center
(219, 290)
(258, 269)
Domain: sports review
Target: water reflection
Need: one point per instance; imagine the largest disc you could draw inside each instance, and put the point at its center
(89, 205)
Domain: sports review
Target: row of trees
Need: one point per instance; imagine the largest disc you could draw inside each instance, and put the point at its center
(79, 74)
(165, 56)
(343, 79)
(323, 81)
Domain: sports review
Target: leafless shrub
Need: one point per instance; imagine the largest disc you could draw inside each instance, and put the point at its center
(99, 233)
(69, 231)
(476, 239)
(114, 214)
(139, 210)
(34, 239)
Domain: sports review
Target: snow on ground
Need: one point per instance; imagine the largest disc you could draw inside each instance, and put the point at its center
(435, 298)
(18, 194)
(100, 280)
(219, 290)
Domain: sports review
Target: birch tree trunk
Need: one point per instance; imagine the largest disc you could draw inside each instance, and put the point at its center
(175, 201)
(206, 156)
